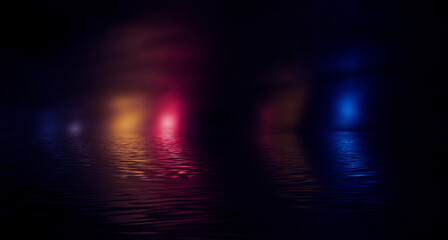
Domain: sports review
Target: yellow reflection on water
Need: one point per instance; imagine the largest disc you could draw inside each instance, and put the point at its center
(129, 151)
(126, 142)
(143, 152)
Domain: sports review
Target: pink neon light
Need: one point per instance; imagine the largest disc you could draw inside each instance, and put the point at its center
(168, 121)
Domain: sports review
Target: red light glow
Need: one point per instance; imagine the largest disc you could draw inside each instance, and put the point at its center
(168, 121)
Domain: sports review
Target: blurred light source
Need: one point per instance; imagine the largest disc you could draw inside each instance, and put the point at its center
(348, 110)
(128, 113)
(168, 121)
(352, 102)
(75, 128)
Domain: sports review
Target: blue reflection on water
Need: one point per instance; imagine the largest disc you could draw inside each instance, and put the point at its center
(351, 154)
(355, 177)
(149, 185)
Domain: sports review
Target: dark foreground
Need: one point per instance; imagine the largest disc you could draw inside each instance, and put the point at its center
(333, 185)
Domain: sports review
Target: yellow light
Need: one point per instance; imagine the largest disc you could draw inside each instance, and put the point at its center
(128, 113)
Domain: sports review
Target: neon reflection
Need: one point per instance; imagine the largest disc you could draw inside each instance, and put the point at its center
(289, 167)
(355, 177)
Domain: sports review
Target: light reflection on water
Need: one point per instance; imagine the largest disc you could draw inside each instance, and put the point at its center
(164, 185)
(289, 166)
(354, 176)
(153, 181)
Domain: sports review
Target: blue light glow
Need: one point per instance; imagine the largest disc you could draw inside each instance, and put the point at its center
(349, 63)
(348, 110)
(47, 122)
(350, 60)
(351, 102)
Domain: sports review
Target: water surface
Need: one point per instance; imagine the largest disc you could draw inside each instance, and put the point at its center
(333, 185)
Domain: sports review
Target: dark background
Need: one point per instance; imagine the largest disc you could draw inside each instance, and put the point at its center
(44, 47)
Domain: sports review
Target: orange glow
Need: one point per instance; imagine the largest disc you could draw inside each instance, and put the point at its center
(128, 113)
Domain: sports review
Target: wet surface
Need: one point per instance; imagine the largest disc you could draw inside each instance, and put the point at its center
(333, 185)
